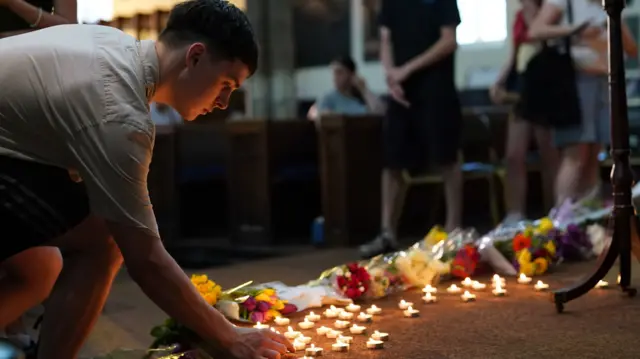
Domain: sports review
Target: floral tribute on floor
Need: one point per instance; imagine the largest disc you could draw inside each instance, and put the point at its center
(344, 296)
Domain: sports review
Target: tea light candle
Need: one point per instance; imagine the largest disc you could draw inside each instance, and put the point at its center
(478, 286)
(344, 339)
(404, 304)
(498, 279)
(357, 329)
(341, 324)
(364, 318)
(467, 282)
(345, 315)
(312, 317)
(374, 310)
(330, 313)
(467, 297)
(428, 298)
(618, 280)
(498, 291)
(306, 324)
(429, 289)
(333, 334)
(411, 313)
(291, 334)
(298, 345)
(602, 284)
(261, 326)
(523, 279)
(375, 344)
(380, 336)
(337, 310)
(282, 321)
(352, 308)
(541, 286)
(322, 330)
(454, 289)
(340, 347)
(313, 351)
(304, 339)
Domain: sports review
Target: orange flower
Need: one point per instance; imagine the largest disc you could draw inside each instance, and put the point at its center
(520, 242)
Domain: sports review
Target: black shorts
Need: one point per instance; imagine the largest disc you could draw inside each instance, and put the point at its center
(425, 135)
(38, 203)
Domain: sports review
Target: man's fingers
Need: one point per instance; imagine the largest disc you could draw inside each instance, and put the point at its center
(282, 340)
(271, 354)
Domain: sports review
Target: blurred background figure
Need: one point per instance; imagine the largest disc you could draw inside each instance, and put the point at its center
(506, 90)
(351, 95)
(578, 181)
(17, 17)
(164, 115)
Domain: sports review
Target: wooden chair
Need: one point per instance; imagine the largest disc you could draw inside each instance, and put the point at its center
(478, 158)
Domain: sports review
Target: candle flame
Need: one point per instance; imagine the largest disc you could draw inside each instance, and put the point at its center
(290, 329)
(374, 307)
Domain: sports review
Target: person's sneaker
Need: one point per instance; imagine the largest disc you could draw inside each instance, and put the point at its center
(383, 243)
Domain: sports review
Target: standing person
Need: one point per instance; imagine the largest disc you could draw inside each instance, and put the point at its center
(520, 130)
(578, 181)
(17, 17)
(424, 119)
(76, 97)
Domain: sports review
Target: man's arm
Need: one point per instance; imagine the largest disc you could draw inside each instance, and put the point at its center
(386, 49)
(545, 25)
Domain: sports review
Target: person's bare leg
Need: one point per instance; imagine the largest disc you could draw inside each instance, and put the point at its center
(391, 181)
(91, 262)
(550, 159)
(28, 280)
(516, 185)
(453, 184)
(569, 183)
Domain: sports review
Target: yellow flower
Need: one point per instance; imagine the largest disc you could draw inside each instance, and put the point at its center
(269, 291)
(524, 256)
(263, 297)
(528, 232)
(272, 313)
(527, 269)
(541, 265)
(545, 226)
(279, 305)
(211, 298)
(550, 247)
(435, 235)
(199, 279)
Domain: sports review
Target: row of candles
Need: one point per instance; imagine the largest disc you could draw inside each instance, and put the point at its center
(377, 339)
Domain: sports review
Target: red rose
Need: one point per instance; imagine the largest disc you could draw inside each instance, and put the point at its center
(363, 275)
(353, 283)
(342, 281)
(352, 293)
(541, 253)
(352, 267)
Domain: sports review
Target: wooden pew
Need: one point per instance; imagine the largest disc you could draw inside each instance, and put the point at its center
(351, 161)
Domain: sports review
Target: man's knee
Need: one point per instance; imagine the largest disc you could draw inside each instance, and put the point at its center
(37, 268)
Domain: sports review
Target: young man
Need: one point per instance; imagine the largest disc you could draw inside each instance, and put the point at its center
(74, 99)
(423, 122)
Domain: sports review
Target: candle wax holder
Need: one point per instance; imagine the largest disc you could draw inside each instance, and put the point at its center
(313, 351)
(340, 347)
(291, 334)
(467, 282)
(374, 310)
(429, 289)
(357, 329)
(478, 286)
(375, 344)
(429, 299)
(352, 308)
(306, 324)
(298, 345)
(312, 317)
(454, 289)
(523, 279)
(333, 334)
(411, 313)
(322, 330)
(341, 324)
(404, 304)
(344, 339)
(364, 318)
(380, 336)
(304, 339)
(282, 321)
(345, 315)
(330, 313)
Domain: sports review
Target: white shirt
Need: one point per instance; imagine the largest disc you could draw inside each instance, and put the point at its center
(76, 97)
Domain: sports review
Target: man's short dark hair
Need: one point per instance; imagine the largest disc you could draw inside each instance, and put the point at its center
(218, 24)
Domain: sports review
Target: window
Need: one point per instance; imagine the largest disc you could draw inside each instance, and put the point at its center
(482, 21)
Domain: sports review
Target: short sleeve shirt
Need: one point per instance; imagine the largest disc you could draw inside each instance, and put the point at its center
(76, 97)
(337, 103)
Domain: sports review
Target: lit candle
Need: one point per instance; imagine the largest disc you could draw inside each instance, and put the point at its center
(454, 289)
(375, 344)
(298, 345)
(467, 297)
(478, 286)
(497, 279)
(429, 289)
(498, 291)
(337, 310)
(313, 351)
(341, 324)
(380, 336)
(345, 315)
(467, 282)
(260, 326)
(618, 279)
(523, 279)
(411, 313)
(373, 310)
(428, 298)
(306, 324)
(357, 329)
(312, 317)
(344, 339)
(602, 284)
(330, 313)
(340, 346)
(352, 308)
(274, 330)
(364, 318)
(322, 330)
(282, 321)
(304, 339)
(404, 304)
(291, 334)
(541, 286)
(333, 334)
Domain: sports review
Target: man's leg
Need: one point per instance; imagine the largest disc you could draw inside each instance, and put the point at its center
(91, 262)
(390, 183)
(516, 187)
(453, 186)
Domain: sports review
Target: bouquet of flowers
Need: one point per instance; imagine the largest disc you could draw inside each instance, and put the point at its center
(261, 305)
(353, 281)
(385, 276)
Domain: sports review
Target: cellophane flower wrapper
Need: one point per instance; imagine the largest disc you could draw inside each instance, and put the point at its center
(453, 254)
(385, 276)
(496, 247)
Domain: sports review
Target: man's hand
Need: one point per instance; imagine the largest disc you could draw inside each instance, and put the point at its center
(397, 94)
(258, 344)
(359, 83)
(496, 92)
(397, 75)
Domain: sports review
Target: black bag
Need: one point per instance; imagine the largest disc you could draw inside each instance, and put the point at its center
(549, 90)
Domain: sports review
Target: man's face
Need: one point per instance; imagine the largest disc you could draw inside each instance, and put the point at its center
(205, 83)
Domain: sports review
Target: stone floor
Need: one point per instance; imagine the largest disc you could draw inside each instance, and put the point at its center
(522, 325)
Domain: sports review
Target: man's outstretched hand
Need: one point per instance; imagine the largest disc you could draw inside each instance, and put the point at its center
(254, 343)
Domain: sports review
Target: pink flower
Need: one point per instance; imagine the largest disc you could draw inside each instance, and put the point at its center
(263, 306)
(250, 304)
(288, 309)
(257, 317)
